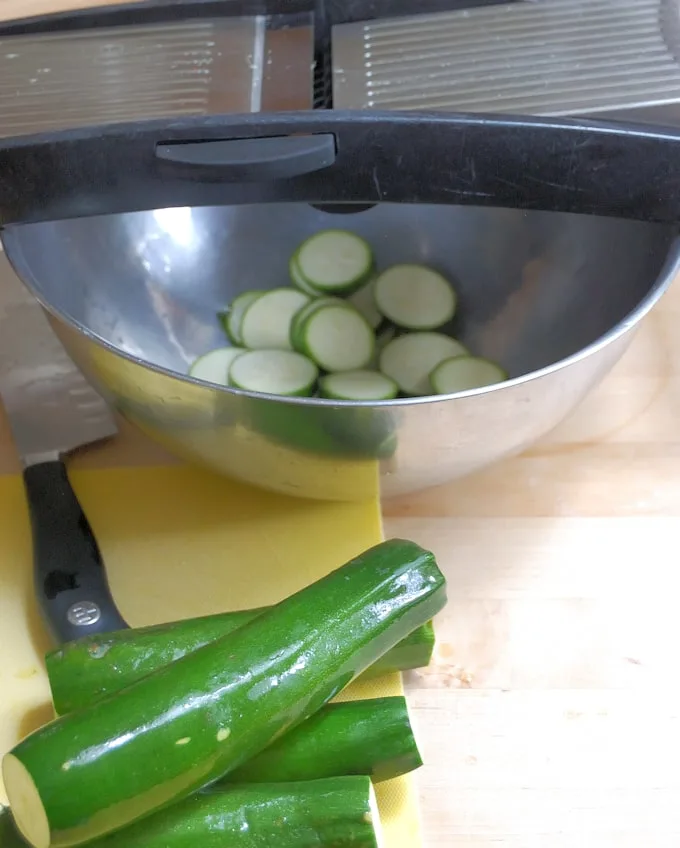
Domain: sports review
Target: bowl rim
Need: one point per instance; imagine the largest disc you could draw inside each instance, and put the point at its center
(667, 274)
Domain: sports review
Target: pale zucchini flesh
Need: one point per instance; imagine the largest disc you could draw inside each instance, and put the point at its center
(464, 373)
(415, 297)
(362, 385)
(410, 359)
(296, 325)
(297, 279)
(364, 301)
(213, 367)
(266, 322)
(335, 261)
(274, 372)
(338, 338)
(233, 317)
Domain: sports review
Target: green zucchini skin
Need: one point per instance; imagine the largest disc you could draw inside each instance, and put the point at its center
(154, 743)
(330, 813)
(372, 737)
(9, 836)
(82, 672)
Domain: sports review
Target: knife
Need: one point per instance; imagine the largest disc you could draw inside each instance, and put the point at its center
(52, 410)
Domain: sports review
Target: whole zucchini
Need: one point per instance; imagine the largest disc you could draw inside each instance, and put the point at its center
(372, 737)
(98, 770)
(84, 671)
(339, 812)
(334, 813)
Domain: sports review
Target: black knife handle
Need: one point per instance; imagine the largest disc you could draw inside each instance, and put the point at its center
(70, 579)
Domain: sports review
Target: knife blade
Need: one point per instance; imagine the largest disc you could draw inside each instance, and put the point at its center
(52, 410)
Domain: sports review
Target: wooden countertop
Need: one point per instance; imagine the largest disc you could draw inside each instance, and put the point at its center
(551, 716)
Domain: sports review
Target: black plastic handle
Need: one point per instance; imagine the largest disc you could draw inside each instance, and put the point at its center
(70, 579)
(566, 165)
(250, 159)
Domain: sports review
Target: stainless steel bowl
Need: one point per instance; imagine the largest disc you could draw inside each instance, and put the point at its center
(554, 297)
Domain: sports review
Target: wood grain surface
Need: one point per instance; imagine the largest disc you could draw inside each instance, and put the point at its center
(551, 715)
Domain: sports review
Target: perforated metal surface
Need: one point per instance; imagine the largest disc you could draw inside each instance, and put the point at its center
(195, 67)
(547, 57)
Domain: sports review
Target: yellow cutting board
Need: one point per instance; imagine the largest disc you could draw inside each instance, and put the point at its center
(179, 542)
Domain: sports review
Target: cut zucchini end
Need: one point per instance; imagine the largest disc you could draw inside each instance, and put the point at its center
(213, 367)
(415, 297)
(24, 799)
(266, 323)
(298, 320)
(358, 385)
(338, 338)
(465, 373)
(410, 359)
(233, 316)
(274, 372)
(297, 278)
(335, 261)
(375, 820)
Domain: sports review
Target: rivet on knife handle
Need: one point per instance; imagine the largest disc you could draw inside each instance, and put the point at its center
(70, 579)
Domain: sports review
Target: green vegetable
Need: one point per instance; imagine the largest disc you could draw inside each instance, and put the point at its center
(84, 671)
(276, 372)
(337, 337)
(335, 813)
(9, 837)
(373, 737)
(415, 297)
(231, 319)
(296, 340)
(332, 262)
(356, 433)
(462, 373)
(156, 742)
(213, 367)
(358, 385)
(265, 324)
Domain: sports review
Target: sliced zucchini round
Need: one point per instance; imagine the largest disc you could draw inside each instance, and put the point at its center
(301, 316)
(358, 385)
(213, 367)
(297, 279)
(337, 338)
(335, 261)
(363, 300)
(410, 359)
(274, 372)
(266, 322)
(232, 318)
(415, 297)
(463, 373)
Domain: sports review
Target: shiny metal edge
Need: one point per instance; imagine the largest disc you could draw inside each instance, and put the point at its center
(550, 58)
(95, 77)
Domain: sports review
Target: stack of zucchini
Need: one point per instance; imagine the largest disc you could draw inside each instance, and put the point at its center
(344, 331)
(219, 732)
